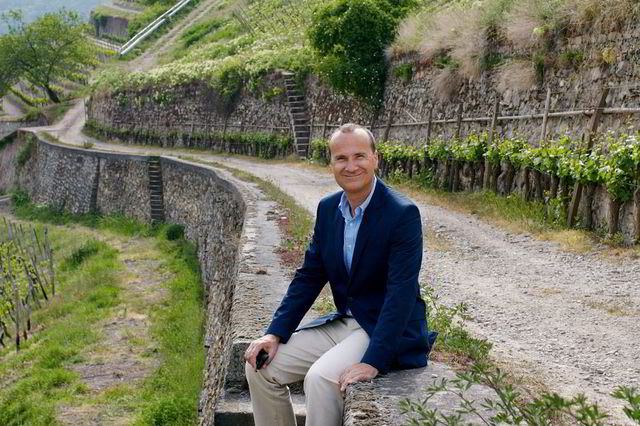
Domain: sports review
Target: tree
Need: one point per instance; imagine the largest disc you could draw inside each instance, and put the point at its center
(49, 49)
(350, 37)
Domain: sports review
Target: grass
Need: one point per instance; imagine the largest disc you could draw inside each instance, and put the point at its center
(511, 213)
(169, 396)
(37, 378)
(471, 32)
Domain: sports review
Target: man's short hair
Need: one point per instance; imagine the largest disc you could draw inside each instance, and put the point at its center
(351, 128)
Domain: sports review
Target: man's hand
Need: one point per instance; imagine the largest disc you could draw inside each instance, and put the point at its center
(357, 373)
(267, 342)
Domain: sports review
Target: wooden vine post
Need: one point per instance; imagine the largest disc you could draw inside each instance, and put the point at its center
(324, 126)
(458, 122)
(453, 170)
(492, 131)
(537, 175)
(429, 125)
(593, 127)
(387, 129)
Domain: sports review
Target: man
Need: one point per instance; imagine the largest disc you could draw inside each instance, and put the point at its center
(367, 243)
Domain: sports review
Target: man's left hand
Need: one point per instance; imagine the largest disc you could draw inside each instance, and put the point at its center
(357, 373)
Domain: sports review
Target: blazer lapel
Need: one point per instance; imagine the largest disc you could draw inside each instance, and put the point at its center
(371, 216)
(339, 239)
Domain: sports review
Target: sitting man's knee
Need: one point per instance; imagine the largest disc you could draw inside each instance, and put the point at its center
(314, 378)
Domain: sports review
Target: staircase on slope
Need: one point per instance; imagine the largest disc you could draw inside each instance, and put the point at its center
(155, 189)
(298, 115)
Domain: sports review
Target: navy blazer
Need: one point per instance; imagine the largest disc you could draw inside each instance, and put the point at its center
(382, 289)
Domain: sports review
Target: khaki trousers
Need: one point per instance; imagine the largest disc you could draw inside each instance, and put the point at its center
(317, 355)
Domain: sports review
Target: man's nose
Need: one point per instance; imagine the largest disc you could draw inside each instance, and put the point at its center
(351, 165)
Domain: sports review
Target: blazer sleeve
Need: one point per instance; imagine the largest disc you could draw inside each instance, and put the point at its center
(305, 287)
(405, 258)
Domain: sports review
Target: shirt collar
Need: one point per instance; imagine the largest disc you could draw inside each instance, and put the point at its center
(344, 207)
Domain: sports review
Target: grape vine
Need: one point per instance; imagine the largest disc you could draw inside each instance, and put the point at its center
(27, 278)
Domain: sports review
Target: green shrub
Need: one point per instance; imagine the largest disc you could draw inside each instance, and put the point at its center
(350, 37)
(88, 249)
(404, 72)
(174, 232)
(171, 411)
(26, 150)
(509, 406)
(197, 32)
(19, 198)
(7, 140)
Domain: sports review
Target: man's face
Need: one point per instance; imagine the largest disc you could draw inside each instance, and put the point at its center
(353, 162)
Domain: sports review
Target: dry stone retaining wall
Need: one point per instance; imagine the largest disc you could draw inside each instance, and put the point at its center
(211, 209)
(572, 89)
(10, 125)
(189, 109)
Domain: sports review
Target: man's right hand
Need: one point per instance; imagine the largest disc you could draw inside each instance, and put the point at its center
(268, 342)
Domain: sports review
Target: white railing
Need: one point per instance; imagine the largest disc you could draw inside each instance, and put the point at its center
(149, 29)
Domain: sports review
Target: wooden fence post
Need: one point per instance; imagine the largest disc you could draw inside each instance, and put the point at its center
(458, 121)
(492, 131)
(593, 127)
(545, 118)
(324, 126)
(313, 115)
(387, 129)
(429, 124)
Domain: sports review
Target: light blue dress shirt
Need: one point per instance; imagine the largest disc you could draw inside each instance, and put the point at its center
(352, 224)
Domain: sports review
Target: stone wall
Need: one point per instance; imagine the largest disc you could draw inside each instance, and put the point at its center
(572, 89)
(114, 26)
(195, 108)
(211, 209)
(10, 125)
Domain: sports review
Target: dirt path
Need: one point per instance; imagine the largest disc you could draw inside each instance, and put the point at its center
(125, 354)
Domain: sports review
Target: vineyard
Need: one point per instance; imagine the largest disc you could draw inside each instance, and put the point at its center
(27, 279)
(550, 170)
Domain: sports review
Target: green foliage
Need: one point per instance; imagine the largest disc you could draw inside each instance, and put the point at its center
(170, 396)
(174, 232)
(198, 31)
(26, 151)
(613, 162)
(404, 72)
(146, 17)
(51, 48)
(82, 253)
(7, 140)
(257, 144)
(449, 323)
(65, 327)
(350, 37)
(320, 151)
(509, 406)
